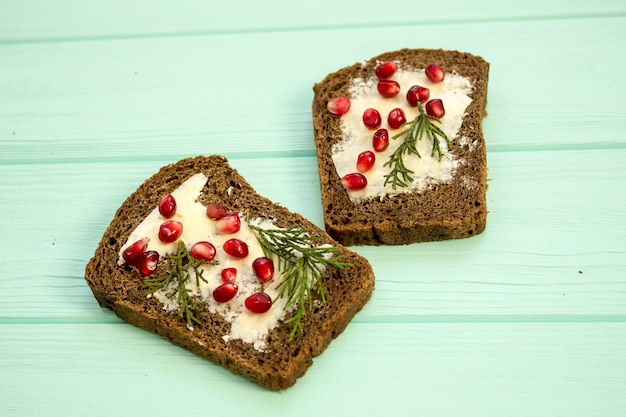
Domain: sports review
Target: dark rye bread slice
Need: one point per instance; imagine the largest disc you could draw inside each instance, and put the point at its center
(121, 288)
(443, 211)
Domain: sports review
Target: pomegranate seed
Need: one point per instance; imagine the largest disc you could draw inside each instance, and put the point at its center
(386, 70)
(388, 88)
(396, 118)
(228, 224)
(339, 105)
(170, 231)
(147, 262)
(229, 275)
(236, 248)
(365, 161)
(132, 253)
(417, 94)
(225, 292)
(380, 141)
(215, 211)
(263, 268)
(354, 181)
(371, 118)
(435, 108)
(167, 206)
(435, 73)
(258, 302)
(203, 251)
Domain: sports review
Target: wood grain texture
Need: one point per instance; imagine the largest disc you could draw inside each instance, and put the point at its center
(527, 319)
(22, 22)
(469, 369)
(541, 258)
(132, 99)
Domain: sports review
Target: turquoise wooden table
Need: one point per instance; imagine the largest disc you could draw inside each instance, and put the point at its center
(526, 319)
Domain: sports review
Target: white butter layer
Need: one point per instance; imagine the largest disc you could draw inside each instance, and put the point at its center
(453, 91)
(245, 325)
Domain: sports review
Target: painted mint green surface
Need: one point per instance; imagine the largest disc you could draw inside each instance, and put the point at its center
(527, 319)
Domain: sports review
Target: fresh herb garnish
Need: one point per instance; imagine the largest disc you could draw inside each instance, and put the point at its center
(302, 264)
(189, 307)
(423, 124)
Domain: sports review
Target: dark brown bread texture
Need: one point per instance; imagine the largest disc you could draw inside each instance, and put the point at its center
(121, 288)
(443, 211)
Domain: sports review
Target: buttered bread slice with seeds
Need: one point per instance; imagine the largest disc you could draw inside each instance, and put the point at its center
(196, 256)
(400, 148)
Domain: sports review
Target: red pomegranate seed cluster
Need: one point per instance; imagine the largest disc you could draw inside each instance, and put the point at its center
(146, 261)
(396, 118)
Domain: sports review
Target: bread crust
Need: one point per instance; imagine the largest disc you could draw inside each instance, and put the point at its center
(121, 288)
(443, 211)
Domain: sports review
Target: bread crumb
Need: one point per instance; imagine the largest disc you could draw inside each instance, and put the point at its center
(469, 183)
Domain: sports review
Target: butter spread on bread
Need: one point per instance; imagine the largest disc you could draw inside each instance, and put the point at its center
(261, 346)
(440, 191)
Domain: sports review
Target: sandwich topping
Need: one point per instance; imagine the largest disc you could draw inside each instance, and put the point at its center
(396, 132)
(249, 271)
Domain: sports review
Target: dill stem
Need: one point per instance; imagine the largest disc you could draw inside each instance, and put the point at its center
(302, 264)
(414, 130)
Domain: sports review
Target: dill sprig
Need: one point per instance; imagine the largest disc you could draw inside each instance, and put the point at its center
(189, 308)
(423, 124)
(302, 264)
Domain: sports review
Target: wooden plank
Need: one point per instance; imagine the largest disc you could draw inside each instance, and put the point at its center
(468, 369)
(554, 245)
(21, 21)
(146, 99)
